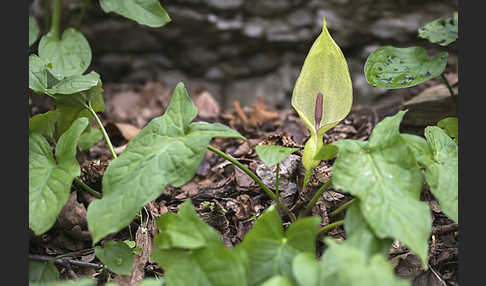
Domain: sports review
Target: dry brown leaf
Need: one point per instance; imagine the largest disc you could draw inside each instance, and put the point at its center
(207, 106)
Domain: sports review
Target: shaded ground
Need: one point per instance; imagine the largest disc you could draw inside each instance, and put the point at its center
(225, 197)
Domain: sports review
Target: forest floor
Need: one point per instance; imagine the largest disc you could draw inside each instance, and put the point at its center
(225, 197)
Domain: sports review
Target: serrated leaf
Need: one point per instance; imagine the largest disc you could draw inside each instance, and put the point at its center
(210, 263)
(70, 55)
(145, 12)
(42, 272)
(360, 235)
(327, 152)
(442, 31)
(167, 151)
(50, 179)
(33, 30)
(273, 154)
(450, 126)
(45, 125)
(116, 256)
(278, 280)
(323, 92)
(345, 265)
(385, 176)
(390, 67)
(270, 251)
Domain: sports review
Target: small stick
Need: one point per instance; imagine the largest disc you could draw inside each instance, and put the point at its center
(64, 261)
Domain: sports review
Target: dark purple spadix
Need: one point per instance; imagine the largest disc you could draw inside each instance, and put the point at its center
(318, 110)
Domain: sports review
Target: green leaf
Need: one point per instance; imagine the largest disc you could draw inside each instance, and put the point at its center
(207, 262)
(277, 281)
(345, 265)
(50, 179)
(385, 176)
(390, 67)
(323, 93)
(360, 235)
(151, 282)
(45, 125)
(327, 152)
(450, 126)
(145, 12)
(74, 84)
(70, 55)
(270, 251)
(33, 30)
(442, 31)
(167, 151)
(40, 272)
(273, 154)
(89, 137)
(306, 270)
(40, 79)
(116, 256)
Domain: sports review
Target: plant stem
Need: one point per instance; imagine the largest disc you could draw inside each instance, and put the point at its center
(256, 179)
(98, 121)
(447, 84)
(87, 188)
(343, 207)
(276, 179)
(316, 196)
(330, 226)
(56, 18)
(86, 4)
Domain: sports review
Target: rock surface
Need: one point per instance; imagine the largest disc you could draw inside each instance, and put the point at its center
(239, 49)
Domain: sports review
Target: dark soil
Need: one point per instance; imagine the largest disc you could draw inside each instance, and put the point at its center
(226, 198)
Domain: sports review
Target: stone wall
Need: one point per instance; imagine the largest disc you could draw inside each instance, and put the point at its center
(238, 49)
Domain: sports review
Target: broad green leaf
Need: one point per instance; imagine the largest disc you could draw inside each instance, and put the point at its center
(151, 282)
(273, 154)
(41, 272)
(33, 30)
(323, 93)
(390, 67)
(450, 126)
(346, 265)
(278, 280)
(70, 55)
(442, 31)
(45, 125)
(327, 152)
(40, 78)
(74, 84)
(360, 235)
(145, 12)
(385, 176)
(210, 263)
(75, 282)
(271, 251)
(306, 270)
(50, 179)
(167, 151)
(89, 137)
(116, 256)
(438, 155)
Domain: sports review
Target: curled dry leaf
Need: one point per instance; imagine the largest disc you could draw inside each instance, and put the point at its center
(207, 106)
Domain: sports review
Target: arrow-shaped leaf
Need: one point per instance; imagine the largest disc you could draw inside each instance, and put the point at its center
(167, 151)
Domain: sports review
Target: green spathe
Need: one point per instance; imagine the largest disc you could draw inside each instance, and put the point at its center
(145, 12)
(167, 151)
(50, 179)
(325, 71)
(385, 176)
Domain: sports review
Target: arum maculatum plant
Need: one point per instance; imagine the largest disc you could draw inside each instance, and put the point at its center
(322, 95)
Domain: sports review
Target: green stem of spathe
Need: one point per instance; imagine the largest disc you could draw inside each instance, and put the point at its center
(257, 180)
(107, 138)
(87, 188)
(316, 196)
(343, 207)
(330, 226)
(56, 18)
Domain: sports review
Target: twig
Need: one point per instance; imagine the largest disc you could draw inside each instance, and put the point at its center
(437, 275)
(64, 261)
